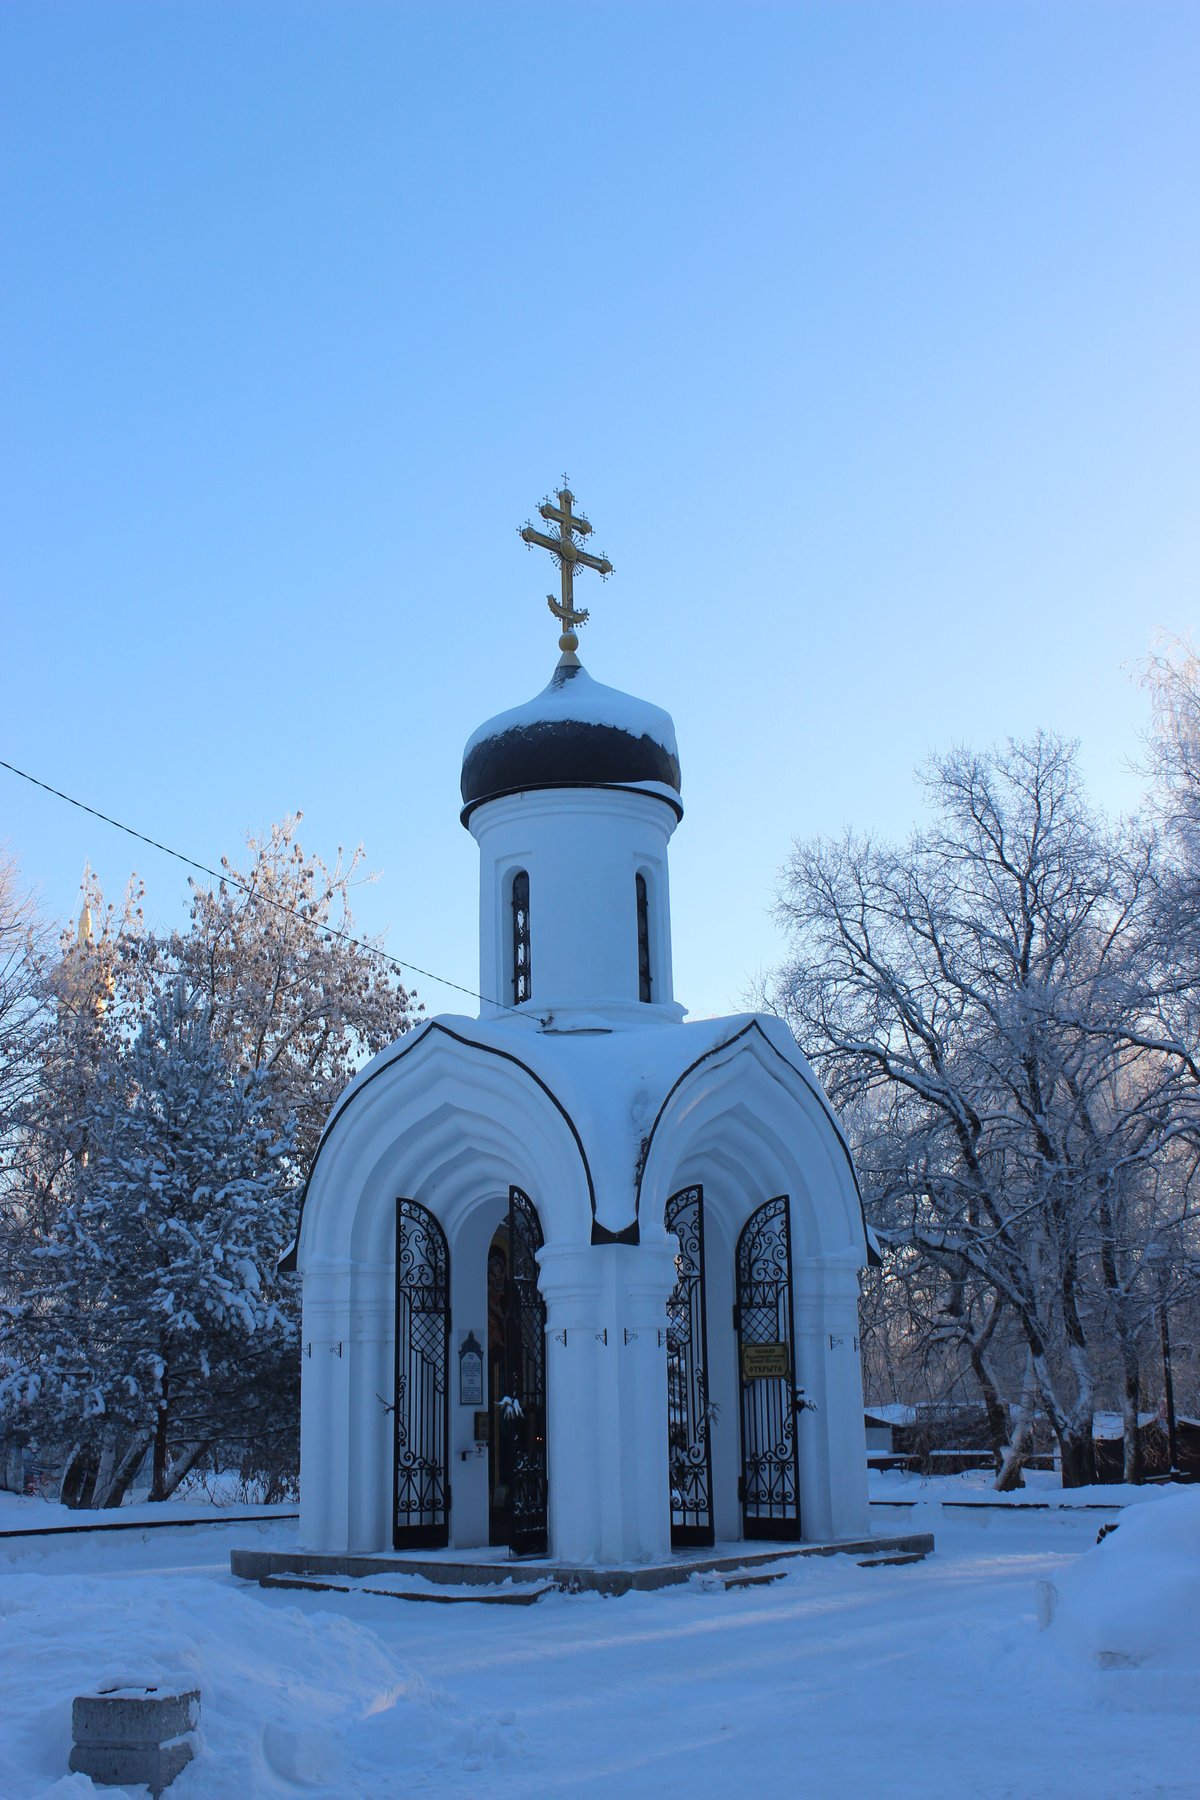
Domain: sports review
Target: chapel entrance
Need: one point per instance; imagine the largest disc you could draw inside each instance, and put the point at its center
(689, 1411)
(517, 1484)
(769, 1489)
(421, 1414)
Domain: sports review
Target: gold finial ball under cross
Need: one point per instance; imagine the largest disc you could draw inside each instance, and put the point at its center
(567, 553)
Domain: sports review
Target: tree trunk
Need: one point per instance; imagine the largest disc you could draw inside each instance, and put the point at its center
(1131, 1459)
(160, 1458)
(124, 1468)
(997, 1412)
(1080, 1436)
(1010, 1475)
(1078, 1458)
(183, 1465)
(78, 1477)
(104, 1471)
(1072, 1429)
(1127, 1340)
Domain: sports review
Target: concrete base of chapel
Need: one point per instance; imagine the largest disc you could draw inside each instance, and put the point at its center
(490, 1567)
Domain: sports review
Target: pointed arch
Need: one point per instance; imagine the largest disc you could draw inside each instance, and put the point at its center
(746, 1108)
(417, 1118)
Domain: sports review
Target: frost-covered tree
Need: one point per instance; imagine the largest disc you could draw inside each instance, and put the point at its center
(49, 1077)
(1173, 1026)
(22, 948)
(974, 1000)
(23, 951)
(150, 1313)
(291, 998)
(88, 993)
(288, 1007)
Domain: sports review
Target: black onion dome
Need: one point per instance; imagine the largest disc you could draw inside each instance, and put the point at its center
(576, 733)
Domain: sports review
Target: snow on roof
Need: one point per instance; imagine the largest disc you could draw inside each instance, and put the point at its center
(895, 1412)
(1109, 1425)
(589, 702)
(612, 1078)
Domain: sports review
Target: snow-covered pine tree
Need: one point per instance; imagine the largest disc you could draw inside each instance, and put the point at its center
(23, 945)
(153, 1311)
(73, 1004)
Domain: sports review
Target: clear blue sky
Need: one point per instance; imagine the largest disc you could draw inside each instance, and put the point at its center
(867, 333)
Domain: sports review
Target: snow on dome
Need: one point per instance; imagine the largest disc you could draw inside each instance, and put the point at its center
(575, 733)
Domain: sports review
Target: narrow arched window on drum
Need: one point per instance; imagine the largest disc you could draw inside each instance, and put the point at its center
(643, 939)
(521, 964)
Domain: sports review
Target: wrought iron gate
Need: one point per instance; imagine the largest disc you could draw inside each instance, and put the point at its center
(523, 1424)
(421, 1510)
(769, 1489)
(688, 1415)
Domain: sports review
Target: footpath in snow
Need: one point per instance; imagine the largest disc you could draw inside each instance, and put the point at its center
(934, 1679)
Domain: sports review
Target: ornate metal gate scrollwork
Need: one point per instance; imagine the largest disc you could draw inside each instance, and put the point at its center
(770, 1485)
(688, 1412)
(524, 1422)
(421, 1512)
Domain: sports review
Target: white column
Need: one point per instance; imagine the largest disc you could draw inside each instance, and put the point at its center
(325, 1471)
(812, 1423)
(645, 1276)
(580, 1430)
(370, 1434)
(847, 1442)
(607, 1384)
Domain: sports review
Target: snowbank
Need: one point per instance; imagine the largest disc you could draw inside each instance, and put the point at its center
(1134, 1600)
(281, 1690)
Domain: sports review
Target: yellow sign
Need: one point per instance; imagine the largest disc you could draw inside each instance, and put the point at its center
(765, 1362)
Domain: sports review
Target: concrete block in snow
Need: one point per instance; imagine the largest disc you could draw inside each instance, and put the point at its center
(130, 1736)
(134, 1715)
(127, 1765)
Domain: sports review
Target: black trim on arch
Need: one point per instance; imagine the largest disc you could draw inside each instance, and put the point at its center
(287, 1263)
(873, 1257)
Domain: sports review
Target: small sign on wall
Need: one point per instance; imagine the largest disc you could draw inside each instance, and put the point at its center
(470, 1369)
(765, 1362)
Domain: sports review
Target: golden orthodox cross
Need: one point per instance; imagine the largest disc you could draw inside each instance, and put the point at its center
(568, 555)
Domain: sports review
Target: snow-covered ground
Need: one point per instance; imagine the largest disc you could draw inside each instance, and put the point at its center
(25, 1513)
(977, 1487)
(933, 1679)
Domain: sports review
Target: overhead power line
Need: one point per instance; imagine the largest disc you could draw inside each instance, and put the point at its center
(232, 881)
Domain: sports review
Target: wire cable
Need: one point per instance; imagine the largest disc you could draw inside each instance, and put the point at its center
(232, 881)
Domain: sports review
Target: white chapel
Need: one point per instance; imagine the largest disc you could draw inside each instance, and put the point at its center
(580, 1277)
